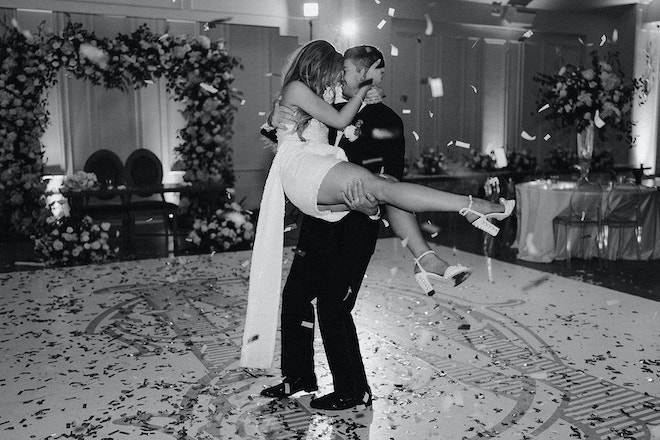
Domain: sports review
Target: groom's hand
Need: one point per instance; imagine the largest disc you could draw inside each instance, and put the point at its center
(282, 116)
(357, 200)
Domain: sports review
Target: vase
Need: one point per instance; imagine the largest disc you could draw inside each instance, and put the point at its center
(585, 149)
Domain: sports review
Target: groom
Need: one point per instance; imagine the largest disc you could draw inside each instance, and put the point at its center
(332, 258)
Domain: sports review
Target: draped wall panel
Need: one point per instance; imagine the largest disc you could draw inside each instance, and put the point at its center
(489, 93)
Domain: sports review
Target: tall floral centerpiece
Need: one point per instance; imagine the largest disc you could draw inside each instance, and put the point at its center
(588, 98)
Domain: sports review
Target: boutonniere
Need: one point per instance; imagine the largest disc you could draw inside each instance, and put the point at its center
(352, 132)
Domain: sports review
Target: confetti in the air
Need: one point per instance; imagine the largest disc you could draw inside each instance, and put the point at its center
(461, 144)
(603, 40)
(527, 136)
(598, 121)
(431, 228)
(381, 24)
(390, 12)
(406, 111)
(545, 107)
(500, 157)
(290, 227)
(437, 89)
(615, 36)
(245, 263)
(415, 135)
(209, 88)
(383, 133)
(474, 88)
(527, 35)
(94, 54)
(546, 137)
(394, 51)
(430, 114)
(429, 25)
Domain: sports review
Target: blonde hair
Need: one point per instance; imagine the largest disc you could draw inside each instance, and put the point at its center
(318, 65)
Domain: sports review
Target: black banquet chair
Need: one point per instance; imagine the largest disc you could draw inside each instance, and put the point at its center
(144, 172)
(109, 170)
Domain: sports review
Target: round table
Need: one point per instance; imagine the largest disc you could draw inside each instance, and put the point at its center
(539, 202)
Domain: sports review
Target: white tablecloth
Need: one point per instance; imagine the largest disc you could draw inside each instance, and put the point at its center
(539, 202)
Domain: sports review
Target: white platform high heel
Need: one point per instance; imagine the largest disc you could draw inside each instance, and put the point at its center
(483, 222)
(455, 274)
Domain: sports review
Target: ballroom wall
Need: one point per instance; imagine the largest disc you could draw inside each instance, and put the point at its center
(485, 63)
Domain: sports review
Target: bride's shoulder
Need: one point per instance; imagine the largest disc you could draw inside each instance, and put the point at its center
(295, 88)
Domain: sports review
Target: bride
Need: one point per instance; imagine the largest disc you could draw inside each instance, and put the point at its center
(315, 175)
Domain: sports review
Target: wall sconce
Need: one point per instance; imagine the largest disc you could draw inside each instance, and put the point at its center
(311, 11)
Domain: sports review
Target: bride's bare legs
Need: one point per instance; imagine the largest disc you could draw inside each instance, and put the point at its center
(405, 226)
(403, 195)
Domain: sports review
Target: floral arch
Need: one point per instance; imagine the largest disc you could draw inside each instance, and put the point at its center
(197, 72)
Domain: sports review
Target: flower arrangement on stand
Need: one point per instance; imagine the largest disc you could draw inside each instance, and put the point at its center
(68, 241)
(479, 161)
(586, 98)
(429, 163)
(79, 181)
(198, 72)
(226, 229)
(521, 161)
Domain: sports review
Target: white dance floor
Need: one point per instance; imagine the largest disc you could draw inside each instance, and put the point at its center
(149, 349)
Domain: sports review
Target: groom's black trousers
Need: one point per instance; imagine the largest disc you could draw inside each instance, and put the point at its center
(329, 265)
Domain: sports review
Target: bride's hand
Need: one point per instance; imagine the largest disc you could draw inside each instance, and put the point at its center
(375, 74)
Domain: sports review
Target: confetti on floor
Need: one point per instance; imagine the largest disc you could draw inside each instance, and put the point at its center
(150, 348)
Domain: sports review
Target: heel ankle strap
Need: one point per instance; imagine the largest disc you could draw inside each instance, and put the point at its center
(470, 204)
(423, 255)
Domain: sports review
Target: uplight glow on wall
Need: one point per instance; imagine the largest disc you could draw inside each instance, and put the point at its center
(349, 29)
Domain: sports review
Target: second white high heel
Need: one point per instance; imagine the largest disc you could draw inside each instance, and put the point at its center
(483, 222)
(456, 274)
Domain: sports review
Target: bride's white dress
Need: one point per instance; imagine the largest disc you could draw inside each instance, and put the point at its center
(297, 170)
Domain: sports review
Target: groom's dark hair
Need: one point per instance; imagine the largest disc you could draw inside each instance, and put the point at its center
(364, 56)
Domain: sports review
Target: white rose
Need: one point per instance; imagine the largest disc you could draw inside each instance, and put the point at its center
(351, 133)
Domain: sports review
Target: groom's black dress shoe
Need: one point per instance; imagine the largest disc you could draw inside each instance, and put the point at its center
(291, 386)
(337, 402)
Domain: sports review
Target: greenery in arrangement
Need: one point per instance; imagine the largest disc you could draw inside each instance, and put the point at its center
(480, 161)
(430, 162)
(563, 161)
(79, 181)
(557, 161)
(521, 161)
(68, 241)
(599, 94)
(227, 228)
(197, 72)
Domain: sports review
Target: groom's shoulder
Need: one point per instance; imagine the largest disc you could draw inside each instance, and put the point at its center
(385, 111)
